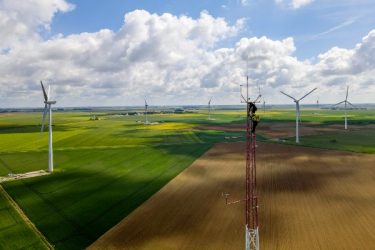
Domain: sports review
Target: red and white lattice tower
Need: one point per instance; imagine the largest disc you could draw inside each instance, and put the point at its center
(251, 210)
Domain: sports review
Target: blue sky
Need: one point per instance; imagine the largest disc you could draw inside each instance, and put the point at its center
(316, 27)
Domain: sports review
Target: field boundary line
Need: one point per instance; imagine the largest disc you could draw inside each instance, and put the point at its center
(99, 147)
(25, 218)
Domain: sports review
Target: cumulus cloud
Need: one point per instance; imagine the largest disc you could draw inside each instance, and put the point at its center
(149, 52)
(20, 21)
(339, 67)
(173, 60)
(360, 59)
(364, 54)
(269, 62)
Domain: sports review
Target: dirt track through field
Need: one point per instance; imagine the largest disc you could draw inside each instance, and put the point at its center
(309, 199)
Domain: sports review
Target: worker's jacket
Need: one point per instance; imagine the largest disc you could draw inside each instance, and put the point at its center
(255, 118)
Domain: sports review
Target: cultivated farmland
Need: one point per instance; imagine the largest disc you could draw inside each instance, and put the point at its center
(15, 232)
(106, 168)
(309, 199)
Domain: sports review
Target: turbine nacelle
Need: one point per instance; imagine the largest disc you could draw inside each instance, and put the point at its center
(50, 102)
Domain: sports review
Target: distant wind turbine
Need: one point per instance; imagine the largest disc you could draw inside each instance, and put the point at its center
(264, 105)
(346, 102)
(48, 107)
(264, 101)
(146, 110)
(297, 111)
(209, 109)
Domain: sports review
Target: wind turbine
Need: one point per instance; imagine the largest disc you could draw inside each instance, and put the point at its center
(346, 102)
(48, 106)
(264, 105)
(209, 109)
(146, 107)
(264, 101)
(297, 110)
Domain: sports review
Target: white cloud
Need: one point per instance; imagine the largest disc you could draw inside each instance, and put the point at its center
(337, 27)
(294, 4)
(245, 2)
(364, 54)
(270, 64)
(20, 21)
(150, 52)
(172, 60)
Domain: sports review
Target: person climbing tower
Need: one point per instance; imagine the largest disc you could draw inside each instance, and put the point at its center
(254, 117)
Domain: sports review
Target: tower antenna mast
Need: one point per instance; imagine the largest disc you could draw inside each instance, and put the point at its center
(251, 199)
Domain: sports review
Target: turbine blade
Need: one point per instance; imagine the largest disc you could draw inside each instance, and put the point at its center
(288, 95)
(44, 92)
(350, 104)
(307, 94)
(48, 92)
(209, 102)
(44, 117)
(338, 103)
(347, 92)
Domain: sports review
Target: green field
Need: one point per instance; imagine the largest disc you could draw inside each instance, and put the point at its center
(359, 117)
(14, 231)
(356, 141)
(103, 169)
(106, 168)
(360, 136)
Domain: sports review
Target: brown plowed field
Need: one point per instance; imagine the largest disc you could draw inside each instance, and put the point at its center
(309, 199)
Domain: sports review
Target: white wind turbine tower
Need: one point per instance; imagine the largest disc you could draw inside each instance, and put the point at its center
(264, 105)
(48, 106)
(264, 101)
(298, 111)
(209, 109)
(346, 102)
(146, 108)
